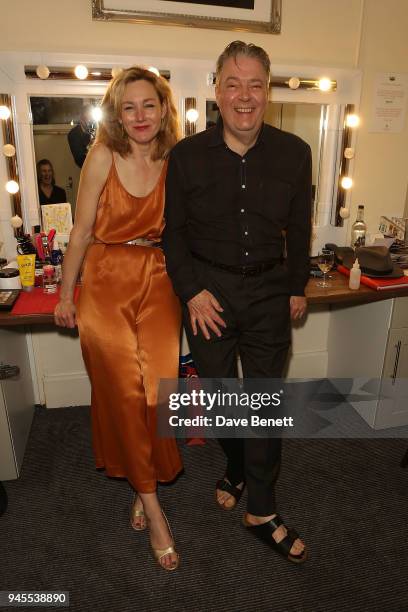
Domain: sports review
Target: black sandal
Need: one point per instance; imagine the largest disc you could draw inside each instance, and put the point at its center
(223, 485)
(264, 532)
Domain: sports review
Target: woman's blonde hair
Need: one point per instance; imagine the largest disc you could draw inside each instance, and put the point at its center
(110, 131)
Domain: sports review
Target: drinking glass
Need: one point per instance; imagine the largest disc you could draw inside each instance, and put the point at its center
(325, 261)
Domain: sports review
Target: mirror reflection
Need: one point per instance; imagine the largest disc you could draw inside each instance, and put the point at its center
(304, 120)
(63, 129)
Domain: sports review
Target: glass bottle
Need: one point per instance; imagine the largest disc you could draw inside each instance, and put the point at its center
(358, 229)
(49, 279)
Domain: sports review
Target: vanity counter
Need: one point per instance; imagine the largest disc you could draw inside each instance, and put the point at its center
(338, 293)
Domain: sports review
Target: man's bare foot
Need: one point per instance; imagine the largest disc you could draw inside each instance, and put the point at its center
(225, 496)
(297, 548)
(162, 539)
(137, 515)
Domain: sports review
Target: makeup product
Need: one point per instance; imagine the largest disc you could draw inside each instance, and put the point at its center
(50, 239)
(46, 247)
(26, 266)
(38, 282)
(7, 298)
(39, 247)
(56, 259)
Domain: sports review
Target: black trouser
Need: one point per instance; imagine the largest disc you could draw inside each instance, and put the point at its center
(256, 311)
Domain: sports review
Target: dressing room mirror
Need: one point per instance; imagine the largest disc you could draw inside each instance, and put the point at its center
(305, 120)
(63, 129)
(48, 109)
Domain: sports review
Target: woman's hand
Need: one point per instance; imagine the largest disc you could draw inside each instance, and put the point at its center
(65, 313)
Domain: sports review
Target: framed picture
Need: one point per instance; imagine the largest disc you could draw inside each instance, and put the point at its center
(243, 15)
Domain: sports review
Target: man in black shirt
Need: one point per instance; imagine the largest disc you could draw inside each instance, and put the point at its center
(236, 194)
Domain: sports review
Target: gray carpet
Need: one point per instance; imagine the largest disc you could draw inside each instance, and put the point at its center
(66, 528)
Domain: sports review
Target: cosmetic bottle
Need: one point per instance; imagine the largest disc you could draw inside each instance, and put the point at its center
(56, 259)
(355, 275)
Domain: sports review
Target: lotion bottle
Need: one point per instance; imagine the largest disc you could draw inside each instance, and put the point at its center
(355, 275)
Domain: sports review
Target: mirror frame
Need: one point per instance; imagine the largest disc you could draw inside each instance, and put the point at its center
(8, 130)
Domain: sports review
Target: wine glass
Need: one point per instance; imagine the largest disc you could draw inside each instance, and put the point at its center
(325, 261)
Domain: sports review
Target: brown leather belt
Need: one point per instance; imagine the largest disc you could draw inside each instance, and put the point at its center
(250, 270)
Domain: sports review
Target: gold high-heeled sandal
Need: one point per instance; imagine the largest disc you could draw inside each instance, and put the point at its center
(159, 553)
(136, 513)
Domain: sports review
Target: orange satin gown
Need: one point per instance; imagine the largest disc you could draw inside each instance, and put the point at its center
(129, 324)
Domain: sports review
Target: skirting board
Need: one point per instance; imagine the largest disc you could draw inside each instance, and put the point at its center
(64, 390)
(308, 365)
(74, 389)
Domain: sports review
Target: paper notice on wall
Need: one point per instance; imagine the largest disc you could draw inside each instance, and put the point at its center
(390, 102)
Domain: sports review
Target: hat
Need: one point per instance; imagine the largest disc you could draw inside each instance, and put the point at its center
(375, 261)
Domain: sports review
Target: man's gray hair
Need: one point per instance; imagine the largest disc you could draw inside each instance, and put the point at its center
(238, 47)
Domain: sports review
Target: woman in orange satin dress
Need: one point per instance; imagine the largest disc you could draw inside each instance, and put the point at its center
(128, 315)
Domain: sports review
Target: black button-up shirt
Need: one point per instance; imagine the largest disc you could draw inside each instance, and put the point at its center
(237, 209)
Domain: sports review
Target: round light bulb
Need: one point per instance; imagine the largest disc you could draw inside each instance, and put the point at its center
(325, 84)
(192, 115)
(16, 222)
(352, 121)
(81, 72)
(5, 112)
(43, 72)
(96, 113)
(12, 187)
(9, 150)
(346, 182)
(116, 71)
(349, 153)
(294, 82)
(344, 212)
(154, 70)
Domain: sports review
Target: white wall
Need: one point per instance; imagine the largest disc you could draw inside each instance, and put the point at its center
(322, 31)
(381, 165)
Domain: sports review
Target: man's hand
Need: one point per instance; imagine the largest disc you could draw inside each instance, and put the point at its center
(298, 307)
(204, 309)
